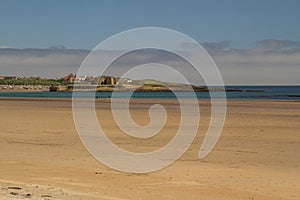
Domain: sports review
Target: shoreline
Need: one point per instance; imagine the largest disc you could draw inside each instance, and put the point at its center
(138, 99)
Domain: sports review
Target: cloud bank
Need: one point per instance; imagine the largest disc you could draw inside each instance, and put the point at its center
(52, 62)
(272, 62)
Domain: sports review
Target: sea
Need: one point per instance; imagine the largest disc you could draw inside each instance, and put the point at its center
(246, 93)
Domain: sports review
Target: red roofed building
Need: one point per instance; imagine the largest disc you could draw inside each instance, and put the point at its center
(70, 78)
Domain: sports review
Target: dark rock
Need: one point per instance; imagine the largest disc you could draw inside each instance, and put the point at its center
(46, 195)
(28, 195)
(14, 188)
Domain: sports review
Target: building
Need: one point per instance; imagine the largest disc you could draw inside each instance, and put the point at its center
(107, 80)
(93, 80)
(81, 78)
(70, 78)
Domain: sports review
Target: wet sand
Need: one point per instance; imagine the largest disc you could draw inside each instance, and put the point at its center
(257, 156)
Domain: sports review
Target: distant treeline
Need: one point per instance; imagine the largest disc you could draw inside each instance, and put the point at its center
(31, 81)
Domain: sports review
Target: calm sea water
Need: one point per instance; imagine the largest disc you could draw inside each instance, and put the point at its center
(253, 92)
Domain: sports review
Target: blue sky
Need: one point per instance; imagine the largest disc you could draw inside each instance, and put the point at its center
(251, 41)
(83, 24)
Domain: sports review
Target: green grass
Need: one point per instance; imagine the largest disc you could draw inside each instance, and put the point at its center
(31, 81)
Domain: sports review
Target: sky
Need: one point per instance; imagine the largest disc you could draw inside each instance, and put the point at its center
(52, 37)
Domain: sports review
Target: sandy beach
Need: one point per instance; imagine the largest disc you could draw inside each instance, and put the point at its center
(257, 156)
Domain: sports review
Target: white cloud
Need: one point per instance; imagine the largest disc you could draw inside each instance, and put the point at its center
(5, 47)
(40, 62)
(270, 62)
